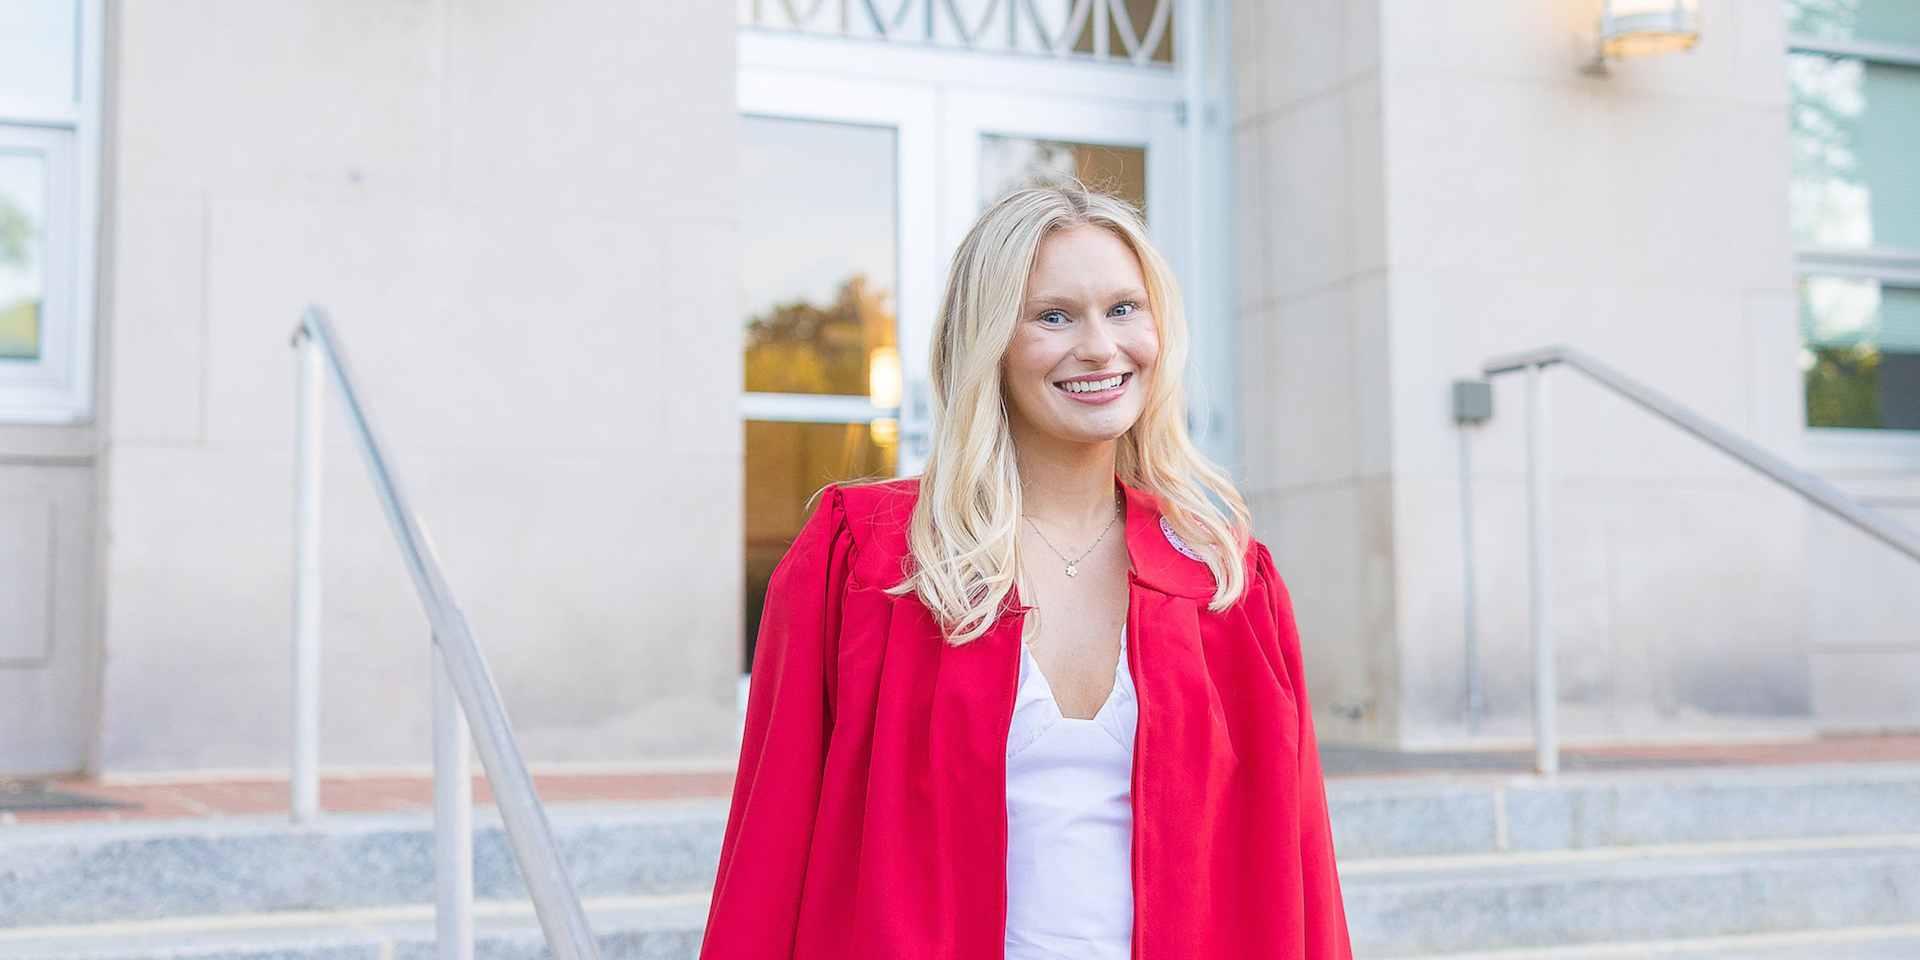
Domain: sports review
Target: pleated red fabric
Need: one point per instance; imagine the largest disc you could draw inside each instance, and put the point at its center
(869, 817)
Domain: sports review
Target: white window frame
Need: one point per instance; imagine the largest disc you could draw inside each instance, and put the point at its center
(1843, 448)
(57, 388)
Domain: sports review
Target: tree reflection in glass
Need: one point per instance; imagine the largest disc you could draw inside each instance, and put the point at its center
(804, 347)
(1007, 162)
(1875, 21)
(1831, 203)
(818, 260)
(1862, 354)
(23, 186)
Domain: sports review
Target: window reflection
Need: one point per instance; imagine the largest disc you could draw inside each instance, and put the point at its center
(23, 246)
(1862, 354)
(1005, 162)
(39, 49)
(1856, 130)
(817, 271)
(818, 284)
(1879, 21)
(806, 347)
(786, 464)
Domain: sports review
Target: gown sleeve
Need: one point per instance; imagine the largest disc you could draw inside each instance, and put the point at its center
(776, 793)
(1326, 917)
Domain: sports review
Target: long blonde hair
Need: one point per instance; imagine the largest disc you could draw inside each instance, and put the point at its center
(964, 538)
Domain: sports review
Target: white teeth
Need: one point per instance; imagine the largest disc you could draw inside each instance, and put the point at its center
(1093, 386)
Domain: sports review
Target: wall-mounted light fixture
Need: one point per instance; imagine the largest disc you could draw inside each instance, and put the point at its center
(1644, 28)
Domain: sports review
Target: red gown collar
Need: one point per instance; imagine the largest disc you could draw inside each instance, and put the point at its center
(1157, 564)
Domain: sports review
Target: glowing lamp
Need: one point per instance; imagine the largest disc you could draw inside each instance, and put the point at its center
(883, 377)
(1645, 28)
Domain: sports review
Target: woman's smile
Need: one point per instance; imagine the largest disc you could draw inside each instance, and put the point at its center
(1096, 388)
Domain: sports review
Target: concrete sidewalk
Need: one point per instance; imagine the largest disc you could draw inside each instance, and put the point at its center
(206, 797)
(148, 798)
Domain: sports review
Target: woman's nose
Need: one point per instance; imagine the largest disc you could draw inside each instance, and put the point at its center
(1096, 342)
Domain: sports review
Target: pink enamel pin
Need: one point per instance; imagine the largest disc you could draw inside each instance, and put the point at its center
(1178, 544)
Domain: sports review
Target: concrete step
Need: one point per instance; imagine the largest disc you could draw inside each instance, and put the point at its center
(1462, 814)
(669, 928)
(1768, 898)
(148, 869)
(1451, 904)
(1899, 942)
(136, 870)
(633, 928)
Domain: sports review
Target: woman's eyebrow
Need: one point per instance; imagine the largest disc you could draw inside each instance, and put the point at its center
(1048, 300)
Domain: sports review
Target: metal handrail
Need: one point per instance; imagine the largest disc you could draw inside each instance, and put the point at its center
(460, 670)
(1815, 490)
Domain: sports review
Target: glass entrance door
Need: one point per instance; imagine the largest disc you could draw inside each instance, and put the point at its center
(819, 285)
(835, 252)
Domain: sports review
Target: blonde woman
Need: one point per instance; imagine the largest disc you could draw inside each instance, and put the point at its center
(1044, 700)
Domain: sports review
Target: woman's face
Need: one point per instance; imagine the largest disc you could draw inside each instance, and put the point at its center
(1084, 348)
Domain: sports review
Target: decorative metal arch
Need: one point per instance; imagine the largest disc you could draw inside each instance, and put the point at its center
(1106, 31)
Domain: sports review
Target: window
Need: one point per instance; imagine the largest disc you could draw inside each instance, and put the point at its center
(1853, 75)
(49, 136)
(818, 287)
(1005, 162)
(1862, 354)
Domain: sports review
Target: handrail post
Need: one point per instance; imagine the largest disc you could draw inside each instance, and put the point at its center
(309, 397)
(452, 817)
(1469, 589)
(1472, 404)
(1814, 490)
(1546, 743)
(555, 902)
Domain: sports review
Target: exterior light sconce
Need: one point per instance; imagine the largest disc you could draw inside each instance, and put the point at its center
(1643, 28)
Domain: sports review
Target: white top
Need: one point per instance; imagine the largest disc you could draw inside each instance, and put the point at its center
(1070, 822)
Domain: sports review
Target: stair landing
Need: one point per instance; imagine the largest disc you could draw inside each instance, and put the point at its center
(187, 796)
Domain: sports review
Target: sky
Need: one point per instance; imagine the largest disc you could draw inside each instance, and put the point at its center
(818, 206)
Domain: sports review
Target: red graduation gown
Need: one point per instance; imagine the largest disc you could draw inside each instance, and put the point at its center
(869, 818)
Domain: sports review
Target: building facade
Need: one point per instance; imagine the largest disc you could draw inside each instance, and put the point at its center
(626, 283)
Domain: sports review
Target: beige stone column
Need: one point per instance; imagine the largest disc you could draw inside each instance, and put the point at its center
(1430, 184)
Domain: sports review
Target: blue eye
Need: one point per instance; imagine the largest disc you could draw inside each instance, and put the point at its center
(1128, 304)
(1052, 313)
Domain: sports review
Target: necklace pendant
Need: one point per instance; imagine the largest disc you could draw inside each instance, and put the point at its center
(1073, 568)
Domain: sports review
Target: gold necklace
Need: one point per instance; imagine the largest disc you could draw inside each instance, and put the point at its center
(1074, 564)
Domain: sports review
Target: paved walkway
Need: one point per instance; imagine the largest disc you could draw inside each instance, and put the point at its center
(221, 798)
(146, 799)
